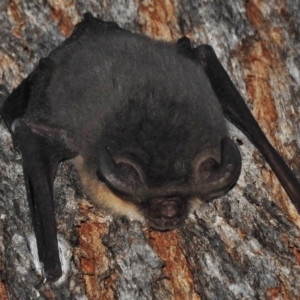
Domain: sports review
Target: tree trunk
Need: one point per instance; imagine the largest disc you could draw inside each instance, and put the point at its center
(241, 246)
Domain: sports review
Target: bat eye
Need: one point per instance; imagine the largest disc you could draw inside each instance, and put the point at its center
(214, 175)
(121, 174)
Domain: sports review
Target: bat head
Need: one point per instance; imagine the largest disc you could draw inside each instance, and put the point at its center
(153, 132)
(164, 198)
(160, 155)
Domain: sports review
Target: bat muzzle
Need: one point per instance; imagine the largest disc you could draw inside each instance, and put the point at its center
(165, 213)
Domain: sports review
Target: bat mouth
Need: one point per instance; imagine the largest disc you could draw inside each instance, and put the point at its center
(165, 213)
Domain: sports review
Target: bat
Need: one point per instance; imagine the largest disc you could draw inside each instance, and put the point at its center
(143, 122)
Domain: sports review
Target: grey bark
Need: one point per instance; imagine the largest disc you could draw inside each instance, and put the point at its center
(242, 246)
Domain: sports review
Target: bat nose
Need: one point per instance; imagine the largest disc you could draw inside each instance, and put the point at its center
(166, 212)
(169, 211)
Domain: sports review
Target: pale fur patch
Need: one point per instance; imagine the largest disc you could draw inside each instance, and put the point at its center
(102, 196)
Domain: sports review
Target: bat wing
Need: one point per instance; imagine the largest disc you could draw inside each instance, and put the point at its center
(42, 147)
(237, 112)
(28, 112)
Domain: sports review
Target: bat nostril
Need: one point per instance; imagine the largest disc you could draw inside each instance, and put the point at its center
(169, 209)
(166, 212)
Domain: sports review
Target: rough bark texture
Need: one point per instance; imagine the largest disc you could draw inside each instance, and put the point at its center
(242, 246)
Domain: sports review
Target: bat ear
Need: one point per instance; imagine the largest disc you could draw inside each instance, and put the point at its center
(121, 174)
(216, 174)
(237, 112)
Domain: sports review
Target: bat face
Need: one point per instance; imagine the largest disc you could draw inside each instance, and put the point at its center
(143, 121)
(153, 155)
(164, 201)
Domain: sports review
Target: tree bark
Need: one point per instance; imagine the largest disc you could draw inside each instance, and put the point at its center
(241, 246)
